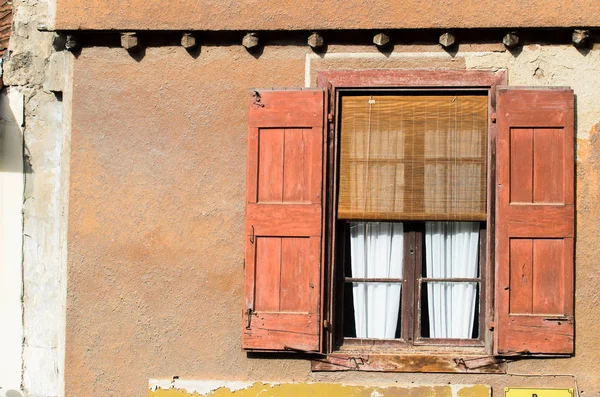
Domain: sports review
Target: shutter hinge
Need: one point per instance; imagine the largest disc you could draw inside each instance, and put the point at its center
(249, 314)
(491, 325)
(330, 117)
(493, 117)
(256, 99)
(327, 325)
(252, 234)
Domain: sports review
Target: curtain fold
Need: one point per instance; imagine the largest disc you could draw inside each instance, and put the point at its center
(451, 251)
(376, 250)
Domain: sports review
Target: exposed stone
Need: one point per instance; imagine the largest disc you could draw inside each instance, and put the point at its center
(23, 68)
(55, 72)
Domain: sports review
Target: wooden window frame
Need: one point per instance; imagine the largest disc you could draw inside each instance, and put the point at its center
(411, 280)
(336, 83)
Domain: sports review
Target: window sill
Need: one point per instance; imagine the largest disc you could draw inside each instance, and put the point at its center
(430, 363)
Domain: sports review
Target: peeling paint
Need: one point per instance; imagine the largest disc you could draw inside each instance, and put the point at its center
(201, 387)
(216, 388)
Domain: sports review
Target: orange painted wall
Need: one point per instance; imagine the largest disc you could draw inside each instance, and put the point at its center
(318, 14)
(156, 214)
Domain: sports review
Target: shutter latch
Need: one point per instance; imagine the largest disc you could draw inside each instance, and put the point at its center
(248, 318)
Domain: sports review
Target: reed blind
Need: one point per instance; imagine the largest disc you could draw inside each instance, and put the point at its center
(413, 157)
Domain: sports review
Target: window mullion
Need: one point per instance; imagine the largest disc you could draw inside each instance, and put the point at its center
(408, 290)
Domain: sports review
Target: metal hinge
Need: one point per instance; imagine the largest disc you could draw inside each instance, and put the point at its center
(326, 324)
(256, 99)
(493, 117)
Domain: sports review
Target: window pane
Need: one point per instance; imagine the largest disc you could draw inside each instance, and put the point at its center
(450, 310)
(372, 310)
(376, 249)
(413, 157)
(452, 249)
(376, 252)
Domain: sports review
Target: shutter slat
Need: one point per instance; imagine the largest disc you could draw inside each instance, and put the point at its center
(284, 221)
(535, 221)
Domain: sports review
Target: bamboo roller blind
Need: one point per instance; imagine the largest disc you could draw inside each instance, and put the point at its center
(413, 157)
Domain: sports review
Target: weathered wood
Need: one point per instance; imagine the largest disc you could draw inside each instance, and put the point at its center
(401, 79)
(130, 41)
(188, 41)
(510, 40)
(447, 39)
(315, 40)
(250, 41)
(580, 37)
(440, 363)
(284, 221)
(381, 40)
(535, 221)
(410, 78)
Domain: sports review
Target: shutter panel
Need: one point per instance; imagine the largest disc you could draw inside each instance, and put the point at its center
(535, 221)
(283, 221)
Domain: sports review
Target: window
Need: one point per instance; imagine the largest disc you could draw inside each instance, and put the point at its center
(411, 210)
(305, 245)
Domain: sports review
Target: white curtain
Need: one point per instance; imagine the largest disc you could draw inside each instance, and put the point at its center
(451, 250)
(376, 250)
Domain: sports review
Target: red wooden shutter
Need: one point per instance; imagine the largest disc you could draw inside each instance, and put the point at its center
(283, 221)
(535, 221)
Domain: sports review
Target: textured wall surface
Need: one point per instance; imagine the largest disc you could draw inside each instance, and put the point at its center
(157, 209)
(318, 14)
(27, 69)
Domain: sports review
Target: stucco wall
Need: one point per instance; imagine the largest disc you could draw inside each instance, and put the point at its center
(157, 207)
(319, 14)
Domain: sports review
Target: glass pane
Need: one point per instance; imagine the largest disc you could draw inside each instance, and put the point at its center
(450, 310)
(376, 249)
(451, 250)
(372, 310)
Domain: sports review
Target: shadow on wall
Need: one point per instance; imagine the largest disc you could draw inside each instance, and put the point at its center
(13, 155)
(13, 393)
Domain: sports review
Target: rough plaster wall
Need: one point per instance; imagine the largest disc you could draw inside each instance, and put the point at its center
(157, 207)
(322, 14)
(28, 66)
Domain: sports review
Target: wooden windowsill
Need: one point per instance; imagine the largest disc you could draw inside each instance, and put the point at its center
(446, 363)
